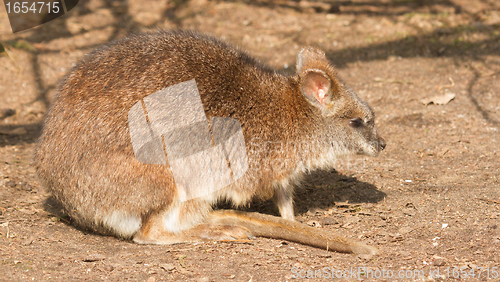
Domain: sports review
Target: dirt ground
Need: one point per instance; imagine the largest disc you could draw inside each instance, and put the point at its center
(430, 202)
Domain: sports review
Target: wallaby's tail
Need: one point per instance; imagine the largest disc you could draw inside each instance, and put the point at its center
(263, 225)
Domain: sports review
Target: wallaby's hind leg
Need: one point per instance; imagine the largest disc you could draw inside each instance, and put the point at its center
(178, 225)
(201, 232)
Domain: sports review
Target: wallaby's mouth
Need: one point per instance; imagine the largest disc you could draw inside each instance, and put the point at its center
(372, 150)
(371, 153)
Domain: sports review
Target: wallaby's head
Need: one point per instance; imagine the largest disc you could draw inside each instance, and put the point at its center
(346, 121)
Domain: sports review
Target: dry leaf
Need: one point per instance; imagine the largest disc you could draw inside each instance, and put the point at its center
(439, 100)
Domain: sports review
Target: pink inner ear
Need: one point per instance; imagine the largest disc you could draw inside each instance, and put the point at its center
(316, 86)
(321, 95)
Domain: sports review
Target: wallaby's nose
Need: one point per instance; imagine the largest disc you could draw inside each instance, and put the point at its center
(382, 143)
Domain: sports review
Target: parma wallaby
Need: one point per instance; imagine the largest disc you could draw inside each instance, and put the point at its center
(291, 124)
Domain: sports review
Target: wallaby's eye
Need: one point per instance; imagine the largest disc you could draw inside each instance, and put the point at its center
(355, 122)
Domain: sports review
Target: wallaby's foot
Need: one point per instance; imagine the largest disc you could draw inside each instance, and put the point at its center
(202, 232)
(154, 231)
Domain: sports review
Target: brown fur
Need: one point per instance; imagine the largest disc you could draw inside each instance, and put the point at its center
(85, 158)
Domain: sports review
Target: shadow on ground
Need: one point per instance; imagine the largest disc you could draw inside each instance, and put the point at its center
(29, 135)
(322, 190)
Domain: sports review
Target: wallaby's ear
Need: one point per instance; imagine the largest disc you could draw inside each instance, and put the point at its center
(317, 76)
(316, 86)
(308, 58)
